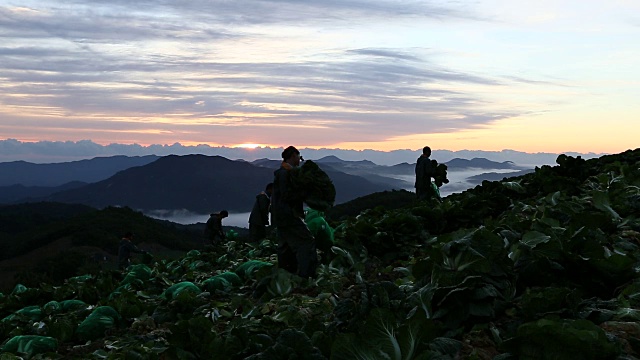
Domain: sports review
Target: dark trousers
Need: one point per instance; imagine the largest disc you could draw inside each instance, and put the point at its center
(215, 239)
(297, 250)
(426, 192)
(257, 232)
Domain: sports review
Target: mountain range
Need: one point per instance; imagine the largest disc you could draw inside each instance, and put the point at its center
(50, 152)
(56, 174)
(197, 183)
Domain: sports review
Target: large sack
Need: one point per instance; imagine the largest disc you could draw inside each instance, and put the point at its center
(176, 289)
(30, 344)
(222, 281)
(100, 320)
(247, 269)
(320, 229)
(312, 185)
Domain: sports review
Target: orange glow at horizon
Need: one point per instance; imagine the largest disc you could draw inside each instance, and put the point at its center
(248, 146)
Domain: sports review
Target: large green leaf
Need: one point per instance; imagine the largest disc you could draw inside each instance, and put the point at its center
(532, 239)
(382, 336)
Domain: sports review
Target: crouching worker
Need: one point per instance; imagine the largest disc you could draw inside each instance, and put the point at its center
(125, 249)
(213, 230)
(259, 217)
(296, 246)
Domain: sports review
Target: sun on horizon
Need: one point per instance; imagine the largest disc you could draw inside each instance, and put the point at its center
(248, 146)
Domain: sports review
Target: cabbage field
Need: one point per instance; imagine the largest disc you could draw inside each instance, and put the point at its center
(542, 266)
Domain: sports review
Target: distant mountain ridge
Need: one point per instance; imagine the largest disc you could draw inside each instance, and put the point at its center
(198, 183)
(368, 167)
(20, 193)
(481, 163)
(47, 152)
(56, 174)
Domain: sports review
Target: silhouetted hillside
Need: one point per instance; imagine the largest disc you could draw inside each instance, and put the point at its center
(15, 219)
(494, 176)
(38, 237)
(20, 193)
(29, 226)
(387, 200)
(89, 171)
(198, 183)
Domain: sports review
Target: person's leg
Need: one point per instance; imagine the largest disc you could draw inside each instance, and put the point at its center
(304, 246)
(286, 256)
(261, 232)
(257, 232)
(253, 233)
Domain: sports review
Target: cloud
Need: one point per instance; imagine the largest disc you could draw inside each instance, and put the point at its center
(143, 70)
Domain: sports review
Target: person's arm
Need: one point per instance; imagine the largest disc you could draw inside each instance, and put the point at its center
(264, 209)
(220, 230)
(419, 172)
(133, 248)
(140, 251)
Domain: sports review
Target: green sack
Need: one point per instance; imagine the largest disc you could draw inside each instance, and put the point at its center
(176, 289)
(30, 344)
(246, 270)
(436, 190)
(100, 320)
(33, 312)
(19, 289)
(232, 235)
(232, 277)
(222, 281)
(193, 253)
(320, 229)
(71, 305)
(52, 307)
(216, 283)
(137, 272)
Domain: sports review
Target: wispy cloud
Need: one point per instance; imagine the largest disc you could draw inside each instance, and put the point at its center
(225, 71)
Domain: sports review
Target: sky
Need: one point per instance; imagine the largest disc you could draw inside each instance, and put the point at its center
(532, 76)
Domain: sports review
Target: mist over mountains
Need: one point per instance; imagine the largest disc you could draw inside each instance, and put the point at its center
(197, 183)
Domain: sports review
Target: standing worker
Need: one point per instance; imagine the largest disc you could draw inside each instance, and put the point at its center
(125, 248)
(425, 170)
(259, 217)
(296, 246)
(213, 229)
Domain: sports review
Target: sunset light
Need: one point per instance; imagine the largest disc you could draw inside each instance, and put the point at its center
(247, 146)
(527, 76)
